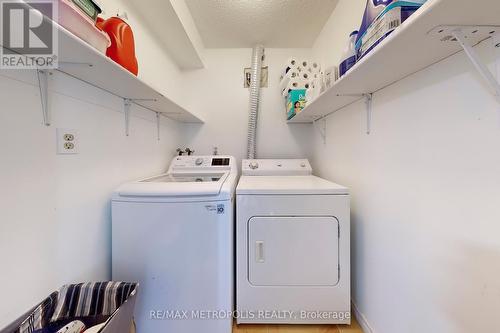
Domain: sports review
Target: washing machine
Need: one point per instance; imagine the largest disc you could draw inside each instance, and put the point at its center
(174, 234)
(292, 245)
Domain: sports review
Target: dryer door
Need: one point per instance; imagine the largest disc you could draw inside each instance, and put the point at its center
(293, 251)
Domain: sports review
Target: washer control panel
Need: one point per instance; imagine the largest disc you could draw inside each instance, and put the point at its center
(271, 167)
(196, 163)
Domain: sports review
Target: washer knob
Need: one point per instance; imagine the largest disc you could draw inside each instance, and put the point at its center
(253, 165)
(198, 161)
(303, 165)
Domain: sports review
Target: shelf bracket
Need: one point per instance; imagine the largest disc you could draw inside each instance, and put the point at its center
(321, 128)
(477, 62)
(127, 103)
(368, 97)
(43, 84)
(368, 103)
(158, 125)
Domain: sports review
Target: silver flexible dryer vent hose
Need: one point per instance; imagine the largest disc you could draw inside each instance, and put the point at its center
(257, 54)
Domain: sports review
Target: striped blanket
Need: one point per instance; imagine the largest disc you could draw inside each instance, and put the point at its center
(76, 301)
(91, 299)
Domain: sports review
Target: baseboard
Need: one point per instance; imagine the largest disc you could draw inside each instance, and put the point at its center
(361, 319)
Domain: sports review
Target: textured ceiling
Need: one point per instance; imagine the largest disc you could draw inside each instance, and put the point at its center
(274, 23)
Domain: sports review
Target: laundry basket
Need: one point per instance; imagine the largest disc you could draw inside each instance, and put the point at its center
(102, 307)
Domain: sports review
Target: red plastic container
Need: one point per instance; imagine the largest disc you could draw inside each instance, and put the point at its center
(122, 49)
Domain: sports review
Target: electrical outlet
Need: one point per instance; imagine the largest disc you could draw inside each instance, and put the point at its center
(67, 141)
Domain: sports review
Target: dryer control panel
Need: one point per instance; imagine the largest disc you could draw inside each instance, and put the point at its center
(272, 167)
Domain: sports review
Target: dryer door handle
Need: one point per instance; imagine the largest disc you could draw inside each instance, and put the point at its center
(259, 251)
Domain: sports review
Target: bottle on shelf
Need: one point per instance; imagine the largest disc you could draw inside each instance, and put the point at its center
(348, 58)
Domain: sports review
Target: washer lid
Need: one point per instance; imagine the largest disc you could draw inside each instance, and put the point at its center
(175, 185)
(288, 185)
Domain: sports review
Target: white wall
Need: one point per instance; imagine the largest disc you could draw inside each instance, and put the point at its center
(425, 199)
(217, 93)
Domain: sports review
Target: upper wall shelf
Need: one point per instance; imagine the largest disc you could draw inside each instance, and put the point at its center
(411, 48)
(102, 72)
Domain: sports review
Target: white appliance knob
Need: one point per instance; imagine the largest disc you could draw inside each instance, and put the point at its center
(199, 161)
(253, 165)
(303, 165)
